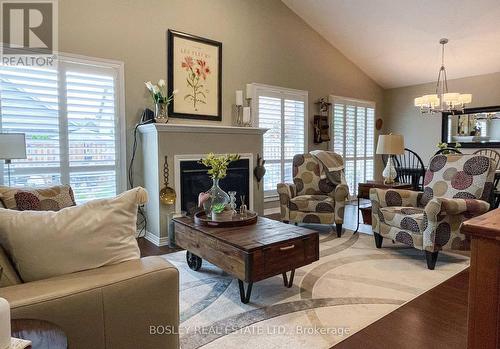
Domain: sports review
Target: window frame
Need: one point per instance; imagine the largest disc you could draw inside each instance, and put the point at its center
(91, 65)
(274, 91)
(357, 103)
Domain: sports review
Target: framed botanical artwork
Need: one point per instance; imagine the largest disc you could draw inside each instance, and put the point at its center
(195, 71)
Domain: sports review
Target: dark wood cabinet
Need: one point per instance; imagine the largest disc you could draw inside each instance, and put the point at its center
(484, 282)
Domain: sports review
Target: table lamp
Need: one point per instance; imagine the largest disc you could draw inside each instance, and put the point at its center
(12, 146)
(390, 145)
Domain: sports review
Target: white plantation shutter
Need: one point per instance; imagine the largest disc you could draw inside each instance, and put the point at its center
(353, 134)
(72, 120)
(30, 104)
(283, 112)
(294, 136)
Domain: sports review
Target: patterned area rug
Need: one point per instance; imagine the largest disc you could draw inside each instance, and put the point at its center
(352, 285)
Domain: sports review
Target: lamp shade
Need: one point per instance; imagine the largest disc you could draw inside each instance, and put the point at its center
(390, 144)
(12, 146)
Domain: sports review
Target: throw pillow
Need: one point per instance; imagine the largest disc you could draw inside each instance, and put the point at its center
(43, 244)
(37, 199)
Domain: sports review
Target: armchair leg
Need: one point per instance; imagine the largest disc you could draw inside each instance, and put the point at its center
(378, 239)
(339, 229)
(431, 258)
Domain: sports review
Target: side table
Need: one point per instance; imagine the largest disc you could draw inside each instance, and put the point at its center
(42, 334)
(364, 193)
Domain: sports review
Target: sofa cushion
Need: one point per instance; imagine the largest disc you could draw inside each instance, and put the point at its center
(8, 275)
(97, 233)
(312, 203)
(406, 218)
(37, 199)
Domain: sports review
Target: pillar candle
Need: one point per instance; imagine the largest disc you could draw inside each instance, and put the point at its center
(4, 324)
(246, 115)
(239, 97)
(249, 91)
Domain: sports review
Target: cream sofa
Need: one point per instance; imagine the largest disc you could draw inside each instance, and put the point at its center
(108, 307)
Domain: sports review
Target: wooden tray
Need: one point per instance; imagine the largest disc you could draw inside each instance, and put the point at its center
(235, 221)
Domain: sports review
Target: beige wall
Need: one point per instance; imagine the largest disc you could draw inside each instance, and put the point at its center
(422, 133)
(263, 41)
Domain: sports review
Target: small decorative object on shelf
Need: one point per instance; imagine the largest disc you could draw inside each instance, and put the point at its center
(247, 117)
(217, 165)
(259, 170)
(159, 95)
(321, 124)
(167, 194)
(239, 107)
(243, 114)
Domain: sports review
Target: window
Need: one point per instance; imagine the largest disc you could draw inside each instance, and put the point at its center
(353, 137)
(72, 118)
(284, 113)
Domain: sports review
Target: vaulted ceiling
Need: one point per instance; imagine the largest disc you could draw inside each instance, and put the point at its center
(396, 41)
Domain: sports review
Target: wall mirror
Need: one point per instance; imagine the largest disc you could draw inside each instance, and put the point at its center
(474, 128)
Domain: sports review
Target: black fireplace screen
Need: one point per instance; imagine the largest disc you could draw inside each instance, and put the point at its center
(194, 180)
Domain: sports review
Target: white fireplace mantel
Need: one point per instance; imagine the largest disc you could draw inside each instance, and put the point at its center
(178, 128)
(160, 142)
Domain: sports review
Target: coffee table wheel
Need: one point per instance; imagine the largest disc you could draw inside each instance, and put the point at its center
(194, 262)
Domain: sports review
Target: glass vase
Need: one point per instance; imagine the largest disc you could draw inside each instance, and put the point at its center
(161, 113)
(218, 198)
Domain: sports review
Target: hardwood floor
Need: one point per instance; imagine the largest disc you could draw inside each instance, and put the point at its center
(436, 319)
(149, 249)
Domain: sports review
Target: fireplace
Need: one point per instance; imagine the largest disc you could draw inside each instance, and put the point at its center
(191, 179)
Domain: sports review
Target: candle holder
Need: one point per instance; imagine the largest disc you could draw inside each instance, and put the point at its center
(238, 120)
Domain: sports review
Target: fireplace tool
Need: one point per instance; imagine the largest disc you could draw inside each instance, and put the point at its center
(167, 194)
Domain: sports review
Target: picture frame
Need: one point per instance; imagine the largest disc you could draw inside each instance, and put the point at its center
(195, 71)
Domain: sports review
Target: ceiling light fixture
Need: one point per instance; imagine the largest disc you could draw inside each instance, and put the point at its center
(442, 100)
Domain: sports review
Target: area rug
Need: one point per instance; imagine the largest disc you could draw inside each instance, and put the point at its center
(352, 285)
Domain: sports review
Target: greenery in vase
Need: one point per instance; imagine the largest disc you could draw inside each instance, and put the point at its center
(445, 145)
(218, 164)
(159, 92)
(218, 208)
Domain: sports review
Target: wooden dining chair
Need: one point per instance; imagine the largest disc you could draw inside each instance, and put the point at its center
(409, 168)
(496, 157)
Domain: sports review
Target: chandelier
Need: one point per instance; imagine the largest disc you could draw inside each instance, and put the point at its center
(442, 100)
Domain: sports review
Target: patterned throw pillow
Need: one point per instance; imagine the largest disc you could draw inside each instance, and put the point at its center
(37, 199)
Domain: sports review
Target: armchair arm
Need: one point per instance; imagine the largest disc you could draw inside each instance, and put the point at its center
(108, 307)
(444, 216)
(286, 191)
(341, 194)
(395, 197)
(471, 207)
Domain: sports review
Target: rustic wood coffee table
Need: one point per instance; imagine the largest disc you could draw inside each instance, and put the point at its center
(250, 253)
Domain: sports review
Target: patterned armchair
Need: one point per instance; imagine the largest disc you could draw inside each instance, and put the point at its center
(311, 199)
(456, 188)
